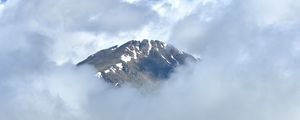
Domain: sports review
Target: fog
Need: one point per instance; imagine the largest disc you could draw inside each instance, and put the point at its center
(249, 68)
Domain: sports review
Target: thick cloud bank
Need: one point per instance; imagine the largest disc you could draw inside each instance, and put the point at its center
(249, 69)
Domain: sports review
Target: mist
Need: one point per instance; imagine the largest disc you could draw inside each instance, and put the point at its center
(249, 68)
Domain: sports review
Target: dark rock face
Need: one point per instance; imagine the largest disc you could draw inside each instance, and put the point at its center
(139, 63)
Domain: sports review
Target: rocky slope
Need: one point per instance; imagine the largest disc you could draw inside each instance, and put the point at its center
(140, 63)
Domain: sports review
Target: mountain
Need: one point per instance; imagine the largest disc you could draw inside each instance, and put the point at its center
(140, 63)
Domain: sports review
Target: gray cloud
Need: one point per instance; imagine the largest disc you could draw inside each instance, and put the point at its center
(249, 68)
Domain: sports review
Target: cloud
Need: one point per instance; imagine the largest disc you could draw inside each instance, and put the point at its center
(63, 20)
(249, 68)
(95, 15)
(1, 8)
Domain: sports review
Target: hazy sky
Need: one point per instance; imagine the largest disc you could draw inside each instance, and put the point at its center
(249, 70)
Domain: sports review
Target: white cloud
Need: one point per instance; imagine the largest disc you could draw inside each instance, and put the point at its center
(249, 70)
(2, 6)
(274, 12)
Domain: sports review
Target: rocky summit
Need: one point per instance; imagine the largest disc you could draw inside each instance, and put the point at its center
(139, 63)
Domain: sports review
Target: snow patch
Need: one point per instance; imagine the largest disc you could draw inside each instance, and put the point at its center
(106, 71)
(120, 66)
(162, 46)
(137, 47)
(113, 69)
(150, 47)
(165, 59)
(99, 75)
(125, 58)
(165, 44)
(134, 53)
(139, 52)
(173, 57)
(114, 48)
(116, 84)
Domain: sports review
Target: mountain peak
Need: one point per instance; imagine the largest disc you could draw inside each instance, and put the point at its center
(138, 62)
